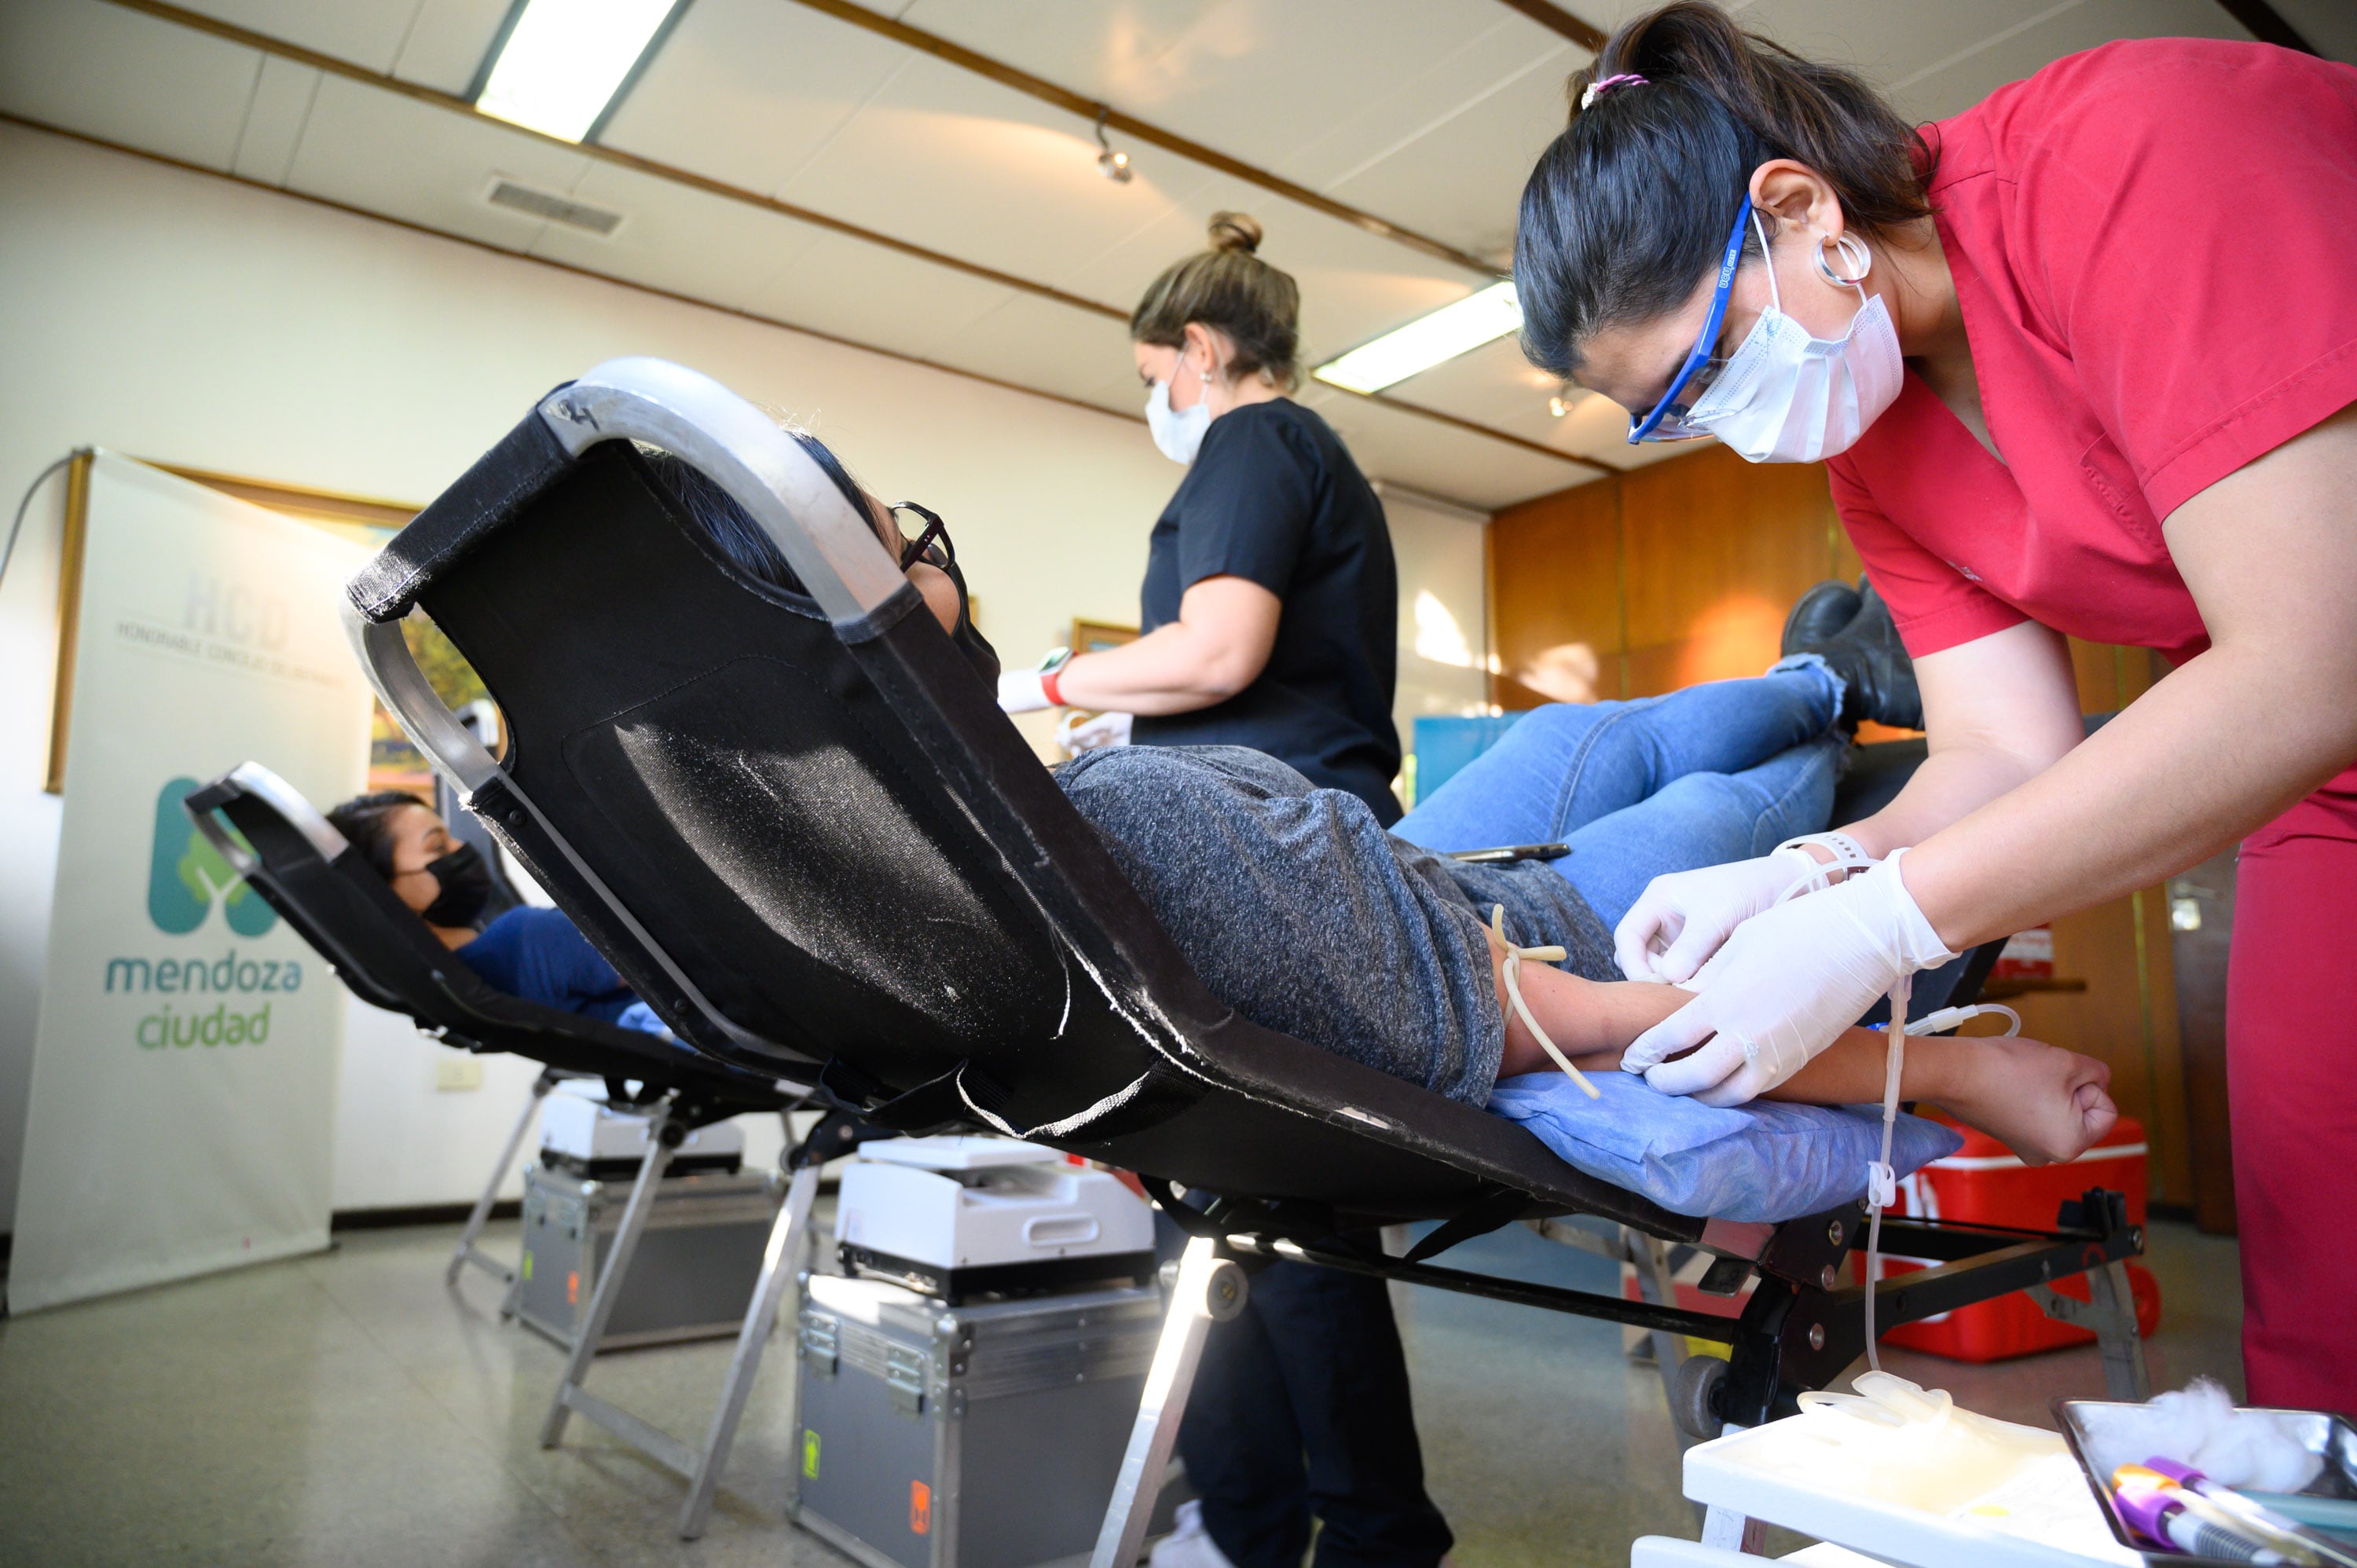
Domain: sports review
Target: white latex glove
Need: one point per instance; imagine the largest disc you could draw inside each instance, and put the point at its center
(1681, 919)
(1079, 731)
(1786, 985)
(1020, 691)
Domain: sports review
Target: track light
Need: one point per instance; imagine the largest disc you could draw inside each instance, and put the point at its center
(1114, 165)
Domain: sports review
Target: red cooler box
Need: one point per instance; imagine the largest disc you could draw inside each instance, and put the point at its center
(1985, 1183)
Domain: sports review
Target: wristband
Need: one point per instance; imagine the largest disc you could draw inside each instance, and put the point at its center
(1048, 687)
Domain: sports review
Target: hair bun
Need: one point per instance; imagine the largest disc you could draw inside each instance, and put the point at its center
(1234, 231)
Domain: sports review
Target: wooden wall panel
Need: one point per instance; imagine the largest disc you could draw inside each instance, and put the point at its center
(1682, 572)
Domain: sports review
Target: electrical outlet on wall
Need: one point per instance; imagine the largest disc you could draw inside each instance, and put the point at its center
(452, 1072)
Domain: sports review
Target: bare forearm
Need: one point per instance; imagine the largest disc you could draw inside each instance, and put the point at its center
(1948, 786)
(1174, 668)
(2218, 748)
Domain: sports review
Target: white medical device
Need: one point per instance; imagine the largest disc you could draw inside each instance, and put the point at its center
(957, 1217)
(589, 1138)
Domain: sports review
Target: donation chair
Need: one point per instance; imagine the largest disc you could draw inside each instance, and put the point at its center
(804, 832)
(294, 857)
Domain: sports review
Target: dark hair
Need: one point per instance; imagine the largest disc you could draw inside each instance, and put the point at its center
(728, 526)
(1629, 208)
(365, 821)
(1230, 288)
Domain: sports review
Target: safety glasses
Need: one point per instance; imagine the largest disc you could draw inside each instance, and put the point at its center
(931, 542)
(1667, 422)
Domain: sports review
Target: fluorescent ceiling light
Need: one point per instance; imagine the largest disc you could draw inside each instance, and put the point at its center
(1428, 340)
(562, 61)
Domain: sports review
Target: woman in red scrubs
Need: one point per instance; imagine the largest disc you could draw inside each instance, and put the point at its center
(2081, 360)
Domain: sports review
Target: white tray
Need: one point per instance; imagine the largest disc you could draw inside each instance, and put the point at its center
(1723, 1473)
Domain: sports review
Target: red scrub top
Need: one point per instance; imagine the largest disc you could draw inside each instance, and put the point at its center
(2155, 248)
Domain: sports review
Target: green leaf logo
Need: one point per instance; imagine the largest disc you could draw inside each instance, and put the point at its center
(186, 873)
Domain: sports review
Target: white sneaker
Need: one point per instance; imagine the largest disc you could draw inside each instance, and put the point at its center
(1189, 1545)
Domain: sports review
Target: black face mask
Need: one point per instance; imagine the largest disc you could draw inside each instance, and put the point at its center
(967, 639)
(466, 887)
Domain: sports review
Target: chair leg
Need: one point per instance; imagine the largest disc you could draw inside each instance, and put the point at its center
(1211, 1289)
(2125, 1375)
(612, 1270)
(2109, 1314)
(780, 1265)
(467, 1251)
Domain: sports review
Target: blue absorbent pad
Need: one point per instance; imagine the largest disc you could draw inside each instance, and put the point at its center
(1769, 1160)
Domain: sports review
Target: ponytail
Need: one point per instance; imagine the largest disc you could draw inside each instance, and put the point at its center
(1629, 208)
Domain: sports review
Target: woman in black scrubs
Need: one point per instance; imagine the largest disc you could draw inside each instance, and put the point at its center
(1271, 615)
(1271, 605)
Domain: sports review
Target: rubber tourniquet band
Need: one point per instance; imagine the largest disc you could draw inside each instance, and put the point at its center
(1514, 957)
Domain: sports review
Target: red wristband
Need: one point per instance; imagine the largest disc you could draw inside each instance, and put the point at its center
(1048, 687)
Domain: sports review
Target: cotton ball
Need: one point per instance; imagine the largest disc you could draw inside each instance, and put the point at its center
(2199, 1425)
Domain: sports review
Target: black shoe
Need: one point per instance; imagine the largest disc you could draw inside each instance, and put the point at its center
(1818, 615)
(1873, 664)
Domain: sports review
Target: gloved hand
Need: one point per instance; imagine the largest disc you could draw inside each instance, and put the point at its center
(1786, 983)
(1081, 732)
(1028, 690)
(1022, 691)
(1681, 919)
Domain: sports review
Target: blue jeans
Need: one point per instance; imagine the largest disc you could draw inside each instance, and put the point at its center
(1710, 773)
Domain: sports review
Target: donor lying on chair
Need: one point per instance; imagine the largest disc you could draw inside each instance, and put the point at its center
(1296, 908)
(535, 954)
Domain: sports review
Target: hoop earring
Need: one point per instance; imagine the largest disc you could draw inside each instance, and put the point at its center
(1853, 250)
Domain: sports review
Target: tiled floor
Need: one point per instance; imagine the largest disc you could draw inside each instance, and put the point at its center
(346, 1409)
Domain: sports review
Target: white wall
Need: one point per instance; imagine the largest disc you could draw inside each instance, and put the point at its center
(179, 317)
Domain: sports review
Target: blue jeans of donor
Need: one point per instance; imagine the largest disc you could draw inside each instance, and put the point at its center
(1712, 773)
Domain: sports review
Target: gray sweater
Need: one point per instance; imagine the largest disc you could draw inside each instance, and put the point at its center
(1297, 908)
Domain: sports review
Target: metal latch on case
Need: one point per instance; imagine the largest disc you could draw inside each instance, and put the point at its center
(821, 1346)
(904, 1378)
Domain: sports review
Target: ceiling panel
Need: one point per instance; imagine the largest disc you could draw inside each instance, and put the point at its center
(84, 66)
(870, 294)
(444, 164)
(953, 161)
(447, 41)
(1461, 175)
(749, 91)
(676, 238)
(273, 120)
(1955, 87)
(365, 32)
(1390, 443)
(1034, 342)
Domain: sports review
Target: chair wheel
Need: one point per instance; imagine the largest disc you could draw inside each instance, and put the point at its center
(1692, 1390)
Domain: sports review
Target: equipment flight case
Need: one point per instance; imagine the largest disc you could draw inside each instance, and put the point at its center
(698, 1258)
(981, 1436)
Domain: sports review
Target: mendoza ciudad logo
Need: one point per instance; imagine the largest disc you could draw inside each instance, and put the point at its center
(217, 995)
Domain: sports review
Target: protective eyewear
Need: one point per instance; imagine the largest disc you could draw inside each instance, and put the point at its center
(929, 544)
(1667, 422)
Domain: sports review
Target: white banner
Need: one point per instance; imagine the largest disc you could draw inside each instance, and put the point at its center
(184, 1069)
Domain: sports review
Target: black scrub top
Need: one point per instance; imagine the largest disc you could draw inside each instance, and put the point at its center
(1273, 497)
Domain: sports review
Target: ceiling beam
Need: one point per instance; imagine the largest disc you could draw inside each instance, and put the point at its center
(1555, 19)
(262, 43)
(1091, 109)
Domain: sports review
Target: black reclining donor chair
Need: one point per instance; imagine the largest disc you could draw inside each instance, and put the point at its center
(336, 902)
(806, 835)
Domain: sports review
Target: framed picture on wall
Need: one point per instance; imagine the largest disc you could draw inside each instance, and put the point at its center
(1096, 636)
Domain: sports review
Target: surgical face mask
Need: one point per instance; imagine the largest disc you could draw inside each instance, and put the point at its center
(466, 884)
(1177, 432)
(1788, 397)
